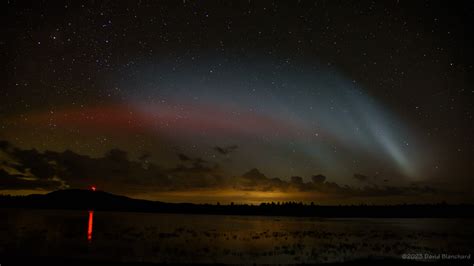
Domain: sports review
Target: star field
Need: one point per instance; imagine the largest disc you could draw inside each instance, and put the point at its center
(377, 89)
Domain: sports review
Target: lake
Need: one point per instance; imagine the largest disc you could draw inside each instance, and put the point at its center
(181, 238)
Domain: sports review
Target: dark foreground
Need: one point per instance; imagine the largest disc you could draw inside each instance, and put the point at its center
(76, 262)
(81, 227)
(76, 237)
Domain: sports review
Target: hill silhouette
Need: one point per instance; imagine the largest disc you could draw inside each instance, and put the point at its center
(77, 199)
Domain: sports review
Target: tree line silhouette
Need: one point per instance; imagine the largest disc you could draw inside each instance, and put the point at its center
(98, 200)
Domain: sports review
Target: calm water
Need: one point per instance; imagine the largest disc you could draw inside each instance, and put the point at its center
(210, 238)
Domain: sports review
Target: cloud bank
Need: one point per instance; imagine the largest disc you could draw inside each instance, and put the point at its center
(116, 172)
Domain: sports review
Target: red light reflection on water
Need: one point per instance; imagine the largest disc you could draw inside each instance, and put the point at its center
(89, 226)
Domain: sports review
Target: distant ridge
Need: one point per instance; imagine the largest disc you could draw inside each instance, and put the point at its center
(78, 199)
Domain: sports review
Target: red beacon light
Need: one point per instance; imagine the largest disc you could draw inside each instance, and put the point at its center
(93, 188)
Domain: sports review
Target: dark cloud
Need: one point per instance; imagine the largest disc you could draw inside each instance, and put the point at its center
(117, 155)
(255, 180)
(183, 157)
(361, 178)
(12, 182)
(194, 173)
(5, 145)
(317, 179)
(34, 162)
(145, 156)
(254, 174)
(113, 172)
(116, 173)
(225, 150)
(297, 180)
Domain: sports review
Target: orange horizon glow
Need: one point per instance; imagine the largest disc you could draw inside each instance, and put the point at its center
(227, 196)
(255, 197)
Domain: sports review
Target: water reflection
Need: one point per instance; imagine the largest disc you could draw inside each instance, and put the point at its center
(89, 226)
(180, 238)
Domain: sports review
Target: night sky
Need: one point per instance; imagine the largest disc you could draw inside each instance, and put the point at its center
(245, 101)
